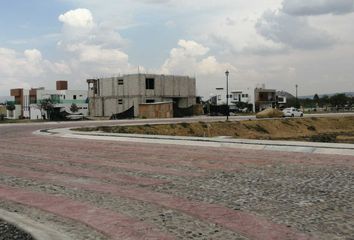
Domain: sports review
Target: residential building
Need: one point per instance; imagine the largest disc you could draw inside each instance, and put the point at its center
(29, 101)
(23, 98)
(236, 98)
(110, 96)
(264, 98)
(242, 96)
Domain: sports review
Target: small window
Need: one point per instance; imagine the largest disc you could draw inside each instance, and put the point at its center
(120, 81)
(80, 95)
(74, 97)
(150, 100)
(219, 97)
(150, 83)
(120, 101)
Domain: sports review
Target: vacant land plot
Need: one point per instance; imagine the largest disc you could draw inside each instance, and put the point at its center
(339, 129)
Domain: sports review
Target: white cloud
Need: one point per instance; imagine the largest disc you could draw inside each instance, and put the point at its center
(191, 58)
(27, 69)
(78, 18)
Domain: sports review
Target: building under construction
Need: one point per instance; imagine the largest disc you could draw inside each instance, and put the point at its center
(117, 95)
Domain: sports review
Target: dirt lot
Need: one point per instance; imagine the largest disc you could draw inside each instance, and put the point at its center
(339, 129)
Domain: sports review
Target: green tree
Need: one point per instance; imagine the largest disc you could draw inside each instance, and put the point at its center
(74, 108)
(324, 101)
(316, 98)
(46, 105)
(338, 100)
(10, 106)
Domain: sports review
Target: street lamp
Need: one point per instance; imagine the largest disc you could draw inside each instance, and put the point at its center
(296, 86)
(227, 94)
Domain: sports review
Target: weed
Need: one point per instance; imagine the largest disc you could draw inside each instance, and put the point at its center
(123, 129)
(261, 129)
(203, 124)
(311, 128)
(185, 125)
(331, 138)
(286, 122)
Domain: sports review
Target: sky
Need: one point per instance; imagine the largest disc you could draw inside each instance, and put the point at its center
(279, 43)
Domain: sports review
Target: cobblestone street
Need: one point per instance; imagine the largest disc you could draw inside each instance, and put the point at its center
(93, 189)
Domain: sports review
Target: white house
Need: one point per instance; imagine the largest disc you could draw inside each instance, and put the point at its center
(62, 100)
(235, 97)
(28, 102)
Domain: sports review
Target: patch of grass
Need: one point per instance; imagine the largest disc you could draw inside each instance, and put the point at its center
(185, 125)
(329, 138)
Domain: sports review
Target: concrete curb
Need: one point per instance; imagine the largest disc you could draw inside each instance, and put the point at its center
(286, 146)
(36, 230)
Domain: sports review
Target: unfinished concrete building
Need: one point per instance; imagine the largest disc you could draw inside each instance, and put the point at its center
(264, 98)
(110, 96)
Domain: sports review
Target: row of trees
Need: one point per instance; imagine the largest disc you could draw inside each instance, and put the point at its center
(340, 100)
(336, 101)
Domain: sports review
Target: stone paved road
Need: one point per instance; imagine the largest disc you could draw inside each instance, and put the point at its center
(115, 190)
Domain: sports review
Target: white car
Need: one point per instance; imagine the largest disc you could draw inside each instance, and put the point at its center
(292, 112)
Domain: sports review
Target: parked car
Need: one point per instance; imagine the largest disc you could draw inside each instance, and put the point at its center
(292, 112)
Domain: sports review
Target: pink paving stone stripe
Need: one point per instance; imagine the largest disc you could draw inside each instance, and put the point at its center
(244, 223)
(114, 225)
(89, 173)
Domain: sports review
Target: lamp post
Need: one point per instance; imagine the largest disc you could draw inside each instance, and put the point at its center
(227, 94)
(296, 86)
(297, 97)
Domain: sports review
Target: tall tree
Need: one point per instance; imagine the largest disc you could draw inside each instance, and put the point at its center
(316, 98)
(46, 105)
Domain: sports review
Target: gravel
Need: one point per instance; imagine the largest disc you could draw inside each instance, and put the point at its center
(11, 232)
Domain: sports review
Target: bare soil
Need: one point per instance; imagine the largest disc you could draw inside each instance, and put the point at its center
(331, 129)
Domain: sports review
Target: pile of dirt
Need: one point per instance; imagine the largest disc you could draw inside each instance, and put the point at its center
(333, 129)
(270, 113)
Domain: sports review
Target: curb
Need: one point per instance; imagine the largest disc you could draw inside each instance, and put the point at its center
(37, 230)
(285, 146)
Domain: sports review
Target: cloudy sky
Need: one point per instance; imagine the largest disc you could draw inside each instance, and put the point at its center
(276, 42)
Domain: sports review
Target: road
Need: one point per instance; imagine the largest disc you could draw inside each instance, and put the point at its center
(89, 189)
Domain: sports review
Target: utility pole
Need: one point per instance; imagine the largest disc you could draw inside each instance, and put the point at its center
(227, 94)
